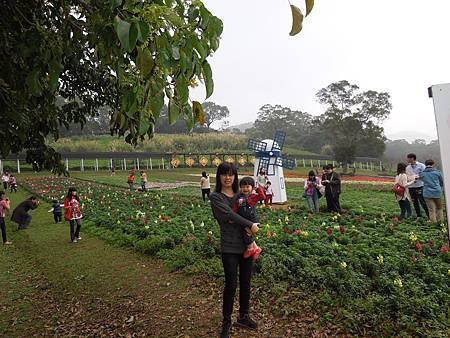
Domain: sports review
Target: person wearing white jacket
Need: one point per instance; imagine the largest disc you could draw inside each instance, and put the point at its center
(404, 199)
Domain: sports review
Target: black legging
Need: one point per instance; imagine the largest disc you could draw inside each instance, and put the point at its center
(3, 228)
(230, 266)
(205, 192)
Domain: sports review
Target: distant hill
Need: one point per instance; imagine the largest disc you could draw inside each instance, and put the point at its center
(242, 127)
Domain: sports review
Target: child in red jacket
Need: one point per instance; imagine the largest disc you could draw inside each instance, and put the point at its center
(245, 206)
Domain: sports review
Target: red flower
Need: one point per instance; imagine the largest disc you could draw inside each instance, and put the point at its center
(341, 229)
(444, 249)
(395, 219)
(419, 246)
(329, 231)
(430, 243)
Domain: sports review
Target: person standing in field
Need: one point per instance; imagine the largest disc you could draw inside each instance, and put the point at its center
(414, 171)
(312, 184)
(433, 184)
(130, 180)
(332, 183)
(232, 248)
(205, 185)
(12, 183)
(403, 199)
(143, 180)
(5, 180)
(269, 193)
(4, 208)
(20, 213)
(73, 214)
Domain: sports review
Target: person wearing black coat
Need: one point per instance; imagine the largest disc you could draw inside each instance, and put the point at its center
(20, 214)
(332, 185)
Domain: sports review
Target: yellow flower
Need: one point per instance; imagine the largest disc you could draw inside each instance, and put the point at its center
(380, 259)
(398, 282)
(343, 265)
(412, 237)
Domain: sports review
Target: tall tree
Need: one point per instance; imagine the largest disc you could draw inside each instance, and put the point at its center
(215, 113)
(352, 121)
(128, 55)
(276, 117)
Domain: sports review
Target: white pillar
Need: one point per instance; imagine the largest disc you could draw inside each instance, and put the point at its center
(67, 164)
(111, 163)
(162, 162)
(441, 100)
(151, 165)
(319, 163)
(304, 165)
(137, 164)
(311, 164)
(82, 165)
(146, 162)
(1, 166)
(333, 163)
(124, 164)
(96, 164)
(381, 166)
(18, 166)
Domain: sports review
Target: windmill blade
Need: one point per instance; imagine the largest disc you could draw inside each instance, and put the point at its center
(286, 162)
(256, 145)
(263, 164)
(278, 139)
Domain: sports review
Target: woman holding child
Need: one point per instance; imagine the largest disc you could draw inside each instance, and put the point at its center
(232, 247)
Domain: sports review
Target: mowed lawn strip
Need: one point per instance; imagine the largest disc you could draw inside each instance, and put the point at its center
(49, 286)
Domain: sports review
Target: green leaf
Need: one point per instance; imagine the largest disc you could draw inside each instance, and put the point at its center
(127, 33)
(182, 89)
(297, 20)
(176, 52)
(143, 31)
(207, 76)
(197, 111)
(145, 61)
(55, 69)
(174, 111)
(309, 6)
(199, 48)
(157, 103)
(33, 83)
(144, 124)
(115, 4)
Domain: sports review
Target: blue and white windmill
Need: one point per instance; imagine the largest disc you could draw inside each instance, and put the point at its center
(268, 157)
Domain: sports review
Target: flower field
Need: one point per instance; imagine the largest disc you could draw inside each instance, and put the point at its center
(367, 272)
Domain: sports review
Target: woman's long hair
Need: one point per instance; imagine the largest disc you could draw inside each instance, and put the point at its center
(227, 169)
(69, 193)
(312, 176)
(401, 168)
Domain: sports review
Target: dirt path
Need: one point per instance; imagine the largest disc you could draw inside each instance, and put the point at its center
(49, 287)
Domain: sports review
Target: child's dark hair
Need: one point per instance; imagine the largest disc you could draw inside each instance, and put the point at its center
(269, 183)
(412, 155)
(204, 174)
(429, 162)
(247, 181)
(54, 201)
(311, 175)
(226, 168)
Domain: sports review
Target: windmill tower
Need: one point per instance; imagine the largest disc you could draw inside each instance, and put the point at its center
(268, 157)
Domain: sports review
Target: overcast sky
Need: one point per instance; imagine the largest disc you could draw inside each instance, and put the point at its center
(398, 46)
